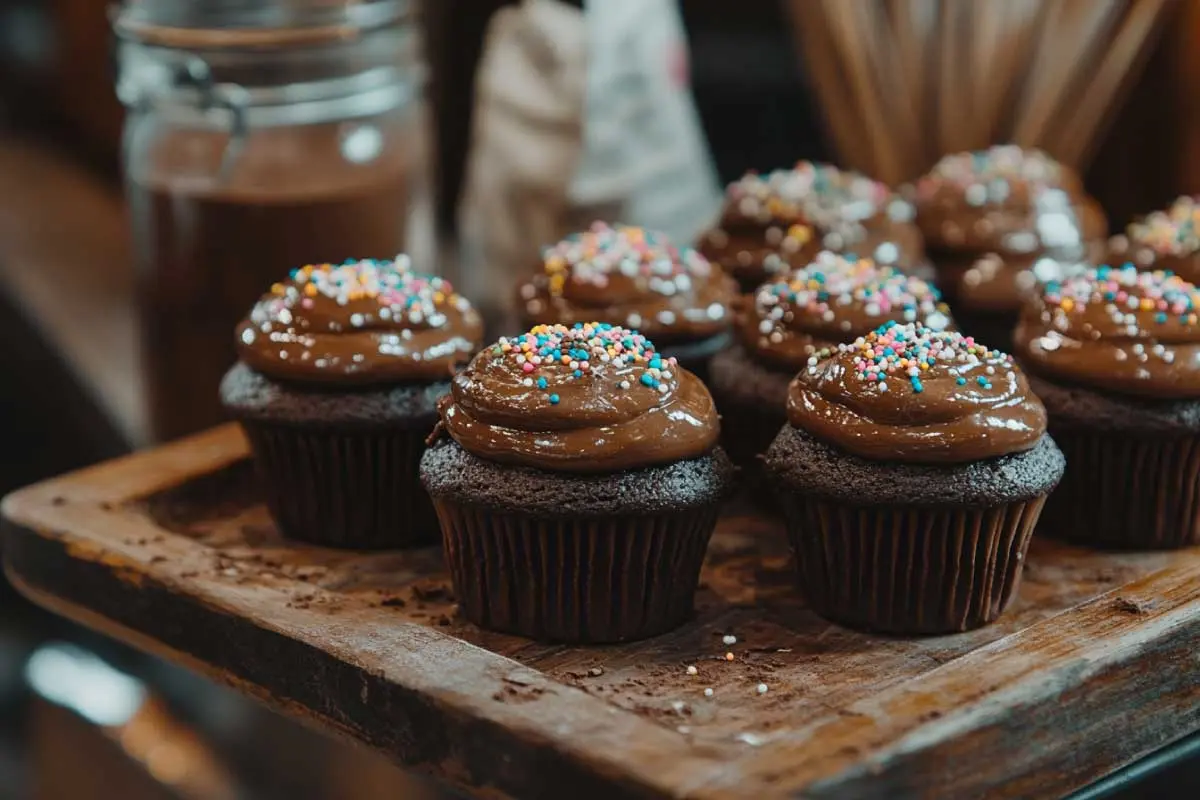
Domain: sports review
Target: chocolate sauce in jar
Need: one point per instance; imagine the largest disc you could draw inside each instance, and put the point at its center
(278, 148)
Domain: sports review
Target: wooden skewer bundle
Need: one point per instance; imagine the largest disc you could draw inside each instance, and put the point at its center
(902, 82)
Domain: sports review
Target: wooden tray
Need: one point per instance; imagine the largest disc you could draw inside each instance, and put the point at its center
(1095, 665)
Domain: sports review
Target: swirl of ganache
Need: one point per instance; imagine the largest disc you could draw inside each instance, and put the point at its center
(586, 398)
(1117, 329)
(361, 322)
(908, 393)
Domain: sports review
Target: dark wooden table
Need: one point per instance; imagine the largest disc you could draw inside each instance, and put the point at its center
(1094, 666)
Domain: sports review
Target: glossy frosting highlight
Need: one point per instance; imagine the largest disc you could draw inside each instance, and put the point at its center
(632, 277)
(361, 322)
(1119, 329)
(833, 299)
(781, 219)
(908, 393)
(588, 398)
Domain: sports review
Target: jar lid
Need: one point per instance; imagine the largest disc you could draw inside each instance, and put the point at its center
(223, 23)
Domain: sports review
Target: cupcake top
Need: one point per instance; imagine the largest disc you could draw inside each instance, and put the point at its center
(592, 397)
(908, 393)
(1006, 200)
(632, 277)
(1118, 329)
(994, 283)
(361, 322)
(1167, 239)
(782, 218)
(833, 299)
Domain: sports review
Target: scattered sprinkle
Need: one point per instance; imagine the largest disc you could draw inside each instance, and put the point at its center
(596, 672)
(708, 692)
(729, 639)
(729, 656)
(762, 688)
(691, 670)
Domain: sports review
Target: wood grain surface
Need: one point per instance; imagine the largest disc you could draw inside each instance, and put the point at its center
(1094, 665)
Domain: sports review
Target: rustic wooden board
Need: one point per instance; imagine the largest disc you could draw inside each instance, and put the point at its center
(171, 550)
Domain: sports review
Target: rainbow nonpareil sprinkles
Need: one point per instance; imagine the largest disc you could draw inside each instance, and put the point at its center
(1174, 231)
(1124, 290)
(560, 353)
(833, 282)
(594, 256)
(904, 353)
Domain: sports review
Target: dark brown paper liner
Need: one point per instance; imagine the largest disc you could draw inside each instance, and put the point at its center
(580, 580)
(338, 488)
(909, 570)
(1126, 491)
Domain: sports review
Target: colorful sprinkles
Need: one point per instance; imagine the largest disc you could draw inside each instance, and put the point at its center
(575, 352)
(986, 175)
(808, 192)
(1174, 231)
(602, 251)
(905, 352)
(402, 294)
(832, 283)
(1124, 291)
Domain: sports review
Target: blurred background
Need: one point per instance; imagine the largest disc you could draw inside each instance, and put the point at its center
(125, 256)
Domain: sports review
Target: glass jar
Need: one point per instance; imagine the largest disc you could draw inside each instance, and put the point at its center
(260, 136)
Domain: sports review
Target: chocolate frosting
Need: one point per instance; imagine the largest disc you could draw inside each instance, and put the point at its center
(832, 300)
(1116, 329)
(908, 393)
(782, 219)
(632, 277)
(1166, 240)
(1006, 200)
(1004, 284)
(589, 398)
(361, 322)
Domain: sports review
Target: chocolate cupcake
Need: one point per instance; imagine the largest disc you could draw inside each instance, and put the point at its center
(340, 371)
(1114, 353)
(911, 475)
(1167, 240)
(991, 216)
(635, 278)
(577, 481)
(832, 300)
(780, 220)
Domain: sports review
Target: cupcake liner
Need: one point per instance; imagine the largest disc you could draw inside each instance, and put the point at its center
(347, 488)
(1126, 491)
(901, 570)
(575, 579)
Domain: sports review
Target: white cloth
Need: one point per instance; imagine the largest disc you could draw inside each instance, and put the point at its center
(579, 116)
